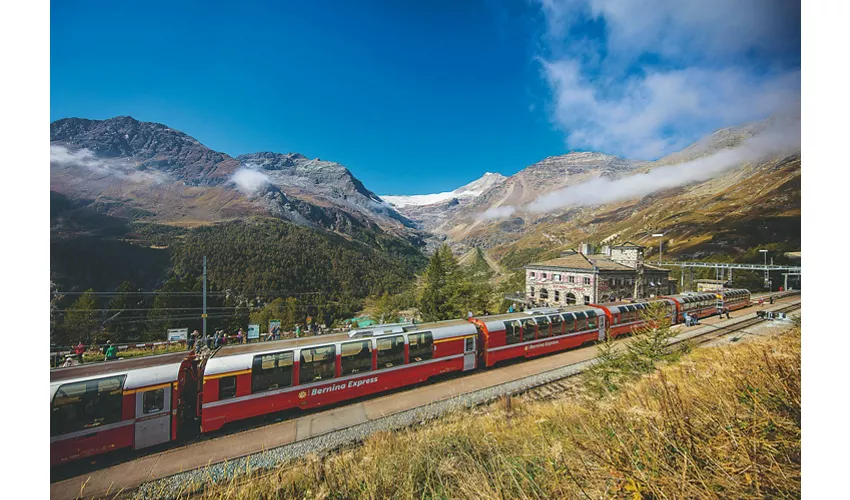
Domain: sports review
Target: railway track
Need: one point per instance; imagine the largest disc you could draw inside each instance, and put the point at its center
(189, 468)
(554, 389)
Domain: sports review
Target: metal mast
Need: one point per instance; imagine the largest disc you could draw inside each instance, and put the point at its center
(204, 315)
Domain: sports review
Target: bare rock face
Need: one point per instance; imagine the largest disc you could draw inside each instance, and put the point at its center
(149, 145)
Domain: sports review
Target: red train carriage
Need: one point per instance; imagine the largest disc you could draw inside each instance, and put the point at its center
(112, 410)
(245, 381)
(697, 305)
(735, 298)
(625, 318)
(537, 331)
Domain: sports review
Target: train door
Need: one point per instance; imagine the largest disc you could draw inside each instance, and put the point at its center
(153, 416)
(469, 353)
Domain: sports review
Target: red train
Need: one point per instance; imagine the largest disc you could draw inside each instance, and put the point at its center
(147, 401)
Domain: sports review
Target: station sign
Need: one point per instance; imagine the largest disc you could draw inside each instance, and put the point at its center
(177, 334)
(253, 332)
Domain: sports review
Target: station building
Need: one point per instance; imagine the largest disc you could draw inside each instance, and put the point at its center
(583, 276)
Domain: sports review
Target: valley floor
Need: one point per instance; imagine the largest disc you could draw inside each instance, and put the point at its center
(719, 422)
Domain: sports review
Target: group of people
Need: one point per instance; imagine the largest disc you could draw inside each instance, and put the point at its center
(218, 339)
(109, 350)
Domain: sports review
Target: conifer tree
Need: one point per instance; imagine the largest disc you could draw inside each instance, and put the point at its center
(81, 320)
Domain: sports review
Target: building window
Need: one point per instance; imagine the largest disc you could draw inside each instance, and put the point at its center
(571, 278)
(531, 291)
(586, 299)
(544, 294)
(557, 296)
(586, 280)
(531, 274)
(543, 275)
(557, 277)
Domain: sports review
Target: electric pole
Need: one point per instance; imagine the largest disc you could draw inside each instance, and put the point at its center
(204, 315)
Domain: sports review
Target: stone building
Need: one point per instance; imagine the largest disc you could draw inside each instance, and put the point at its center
(582, 277)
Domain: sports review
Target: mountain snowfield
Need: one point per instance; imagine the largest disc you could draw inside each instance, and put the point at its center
(471, 190)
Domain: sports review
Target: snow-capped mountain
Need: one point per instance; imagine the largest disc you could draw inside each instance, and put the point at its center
(471, 190)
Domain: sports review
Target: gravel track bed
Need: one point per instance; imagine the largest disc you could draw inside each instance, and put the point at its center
(196, 480)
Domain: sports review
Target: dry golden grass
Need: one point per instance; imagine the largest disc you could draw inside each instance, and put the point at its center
(723, 422)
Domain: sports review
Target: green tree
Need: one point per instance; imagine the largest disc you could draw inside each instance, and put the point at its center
(81, 319)
(122, 323)
(291, 316)
(273, 310)
(433, 296)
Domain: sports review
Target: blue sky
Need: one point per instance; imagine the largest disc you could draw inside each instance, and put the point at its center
(418, 97)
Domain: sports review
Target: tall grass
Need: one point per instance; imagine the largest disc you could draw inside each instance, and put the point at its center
(721, 422)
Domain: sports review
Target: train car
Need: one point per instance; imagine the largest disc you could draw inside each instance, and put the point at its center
(697, 305)
(625, 318)
(537, 331)
(109, 411)
(735, 298)
(240, 382)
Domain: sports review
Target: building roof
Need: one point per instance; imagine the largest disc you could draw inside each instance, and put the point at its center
(580, 261)
(627, 244)
(587, 262)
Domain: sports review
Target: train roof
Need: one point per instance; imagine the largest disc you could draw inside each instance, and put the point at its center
(136, 377)
(497, 319)
(239, 357)
(104, 368)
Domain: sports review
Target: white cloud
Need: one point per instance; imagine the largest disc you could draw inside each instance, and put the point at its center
(607, 97)
(780, 137)
(497, 212)
(249, 179)
(121, 168)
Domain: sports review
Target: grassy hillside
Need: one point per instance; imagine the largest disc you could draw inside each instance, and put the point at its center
(721, 422)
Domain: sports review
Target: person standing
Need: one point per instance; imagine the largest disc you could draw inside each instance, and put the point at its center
(239, 336)
(79, 350)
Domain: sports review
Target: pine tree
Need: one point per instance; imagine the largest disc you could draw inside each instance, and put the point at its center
(290, 317)
(81, 320)
(121, 322)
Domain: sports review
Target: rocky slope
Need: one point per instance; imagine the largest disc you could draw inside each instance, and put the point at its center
(156, 173)
(734, 189)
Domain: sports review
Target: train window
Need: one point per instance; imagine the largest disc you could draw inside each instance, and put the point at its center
(356, 357)
(82, 405)
(512, 332)
(591, 319)
(390, 351)
(271, 371)
(421, 346)
(153, 401)
(569, 323)
(227, 387)
(529, 329)
(543, 330)
(581, 321)
(318, 363)
(557, 324)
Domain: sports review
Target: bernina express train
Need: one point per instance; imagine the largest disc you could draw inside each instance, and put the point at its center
(143, 402)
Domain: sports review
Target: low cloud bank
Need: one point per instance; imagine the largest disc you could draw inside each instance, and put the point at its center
(121, 168)
(780, 137)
